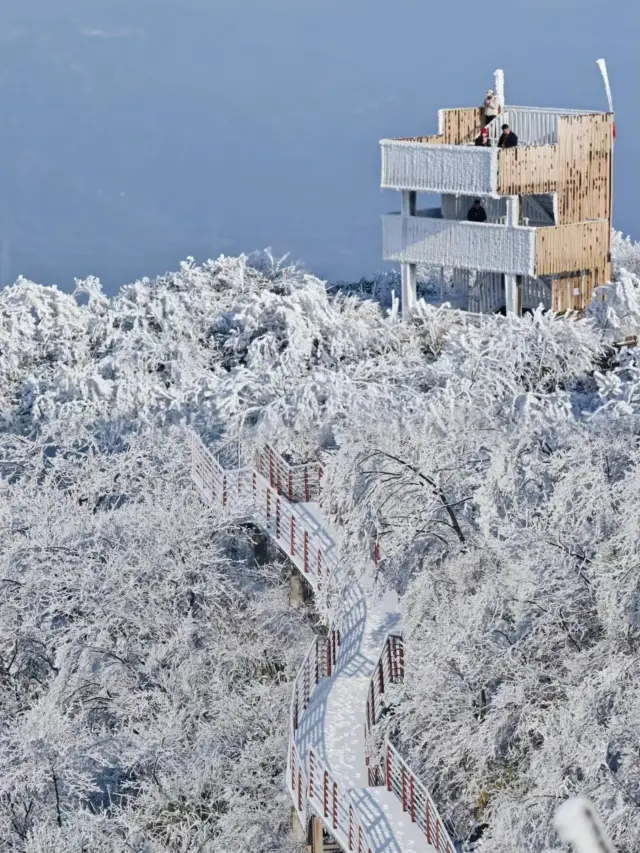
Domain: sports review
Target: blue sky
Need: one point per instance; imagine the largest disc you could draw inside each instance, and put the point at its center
(137, 132)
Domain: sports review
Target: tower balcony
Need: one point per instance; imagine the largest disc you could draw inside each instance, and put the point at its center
(491, 247)
(551, 144)
(426, 164)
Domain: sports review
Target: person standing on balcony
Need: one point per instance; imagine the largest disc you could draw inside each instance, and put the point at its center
(477, 213)
(491, 107)
(483, 138)
(508, 139)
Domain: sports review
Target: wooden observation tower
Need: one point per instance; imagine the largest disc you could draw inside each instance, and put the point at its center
(547, 237)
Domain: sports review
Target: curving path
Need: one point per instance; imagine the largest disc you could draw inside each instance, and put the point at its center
(338, 692)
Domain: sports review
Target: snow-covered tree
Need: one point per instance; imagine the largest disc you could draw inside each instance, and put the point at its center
(145, 662)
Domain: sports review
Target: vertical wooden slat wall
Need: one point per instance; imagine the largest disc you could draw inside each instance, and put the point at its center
(528, 171)
(462, 125)
(585, 148)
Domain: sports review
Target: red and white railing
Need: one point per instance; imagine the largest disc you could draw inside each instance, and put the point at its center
(335, 807)
(295, 482)
(389, 670)
(395, 773)
(272, 490)
(293, 531)
(415, 799)
(319, 663)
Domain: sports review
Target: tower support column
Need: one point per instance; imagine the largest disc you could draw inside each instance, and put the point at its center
(512, 286)
(408, 271)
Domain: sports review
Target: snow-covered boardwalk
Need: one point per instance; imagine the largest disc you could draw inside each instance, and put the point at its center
(338, 691)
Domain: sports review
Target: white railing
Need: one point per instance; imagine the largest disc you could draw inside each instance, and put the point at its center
(415, 800)
(310, 782)
(532, 125)
(451, 243)
(395, 773)
(319, 663)
(389, 670)
(296, 482)
(438, 168)
(335, 808)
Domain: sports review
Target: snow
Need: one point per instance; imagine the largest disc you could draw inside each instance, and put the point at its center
(521, 637)
(484, 246)
(439, 168)
(333, 723)
(387, 826)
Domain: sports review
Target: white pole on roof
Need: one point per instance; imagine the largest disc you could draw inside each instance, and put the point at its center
(602, 65)
(498, 76)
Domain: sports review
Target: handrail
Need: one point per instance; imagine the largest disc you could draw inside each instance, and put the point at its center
(415, 799)
(395, 773)
(297, 482)
(335, 807)
(286, 522)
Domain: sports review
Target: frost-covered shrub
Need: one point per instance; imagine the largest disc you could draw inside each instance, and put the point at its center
(145, 660)
(141, 662)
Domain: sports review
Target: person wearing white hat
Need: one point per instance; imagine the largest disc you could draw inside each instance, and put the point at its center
(491, 107)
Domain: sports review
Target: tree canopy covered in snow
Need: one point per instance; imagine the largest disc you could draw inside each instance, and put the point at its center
(145, 660)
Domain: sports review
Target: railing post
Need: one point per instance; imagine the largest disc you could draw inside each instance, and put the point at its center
(310, 773)
(278, 516)
(391, 658)
(299, 790)
(428, 817)
(290, 478)
(271, 471)
(335, 805)
(317, 662)
(293, 767)
(293, 535)
(254, 481)
(328, 646)
(412, 798)
(373, 709)
(387, 769)
(268, 507)
(350, 827)
(295, 712)
(380, 677)
(306, 551)
(404, 787)
(437, 834)
(319, 563)
(224, 490)
(325, 797)
(400, 650)
(306, 483)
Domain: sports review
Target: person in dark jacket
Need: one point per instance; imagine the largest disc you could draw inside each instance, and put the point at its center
(477, 213)
(483, 138)
(508, 139)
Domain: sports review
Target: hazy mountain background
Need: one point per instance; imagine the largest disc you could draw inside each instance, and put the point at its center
(137, 132)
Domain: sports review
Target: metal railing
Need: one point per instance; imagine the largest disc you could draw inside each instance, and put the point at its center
(310, 781)
(415, 800)
(532, 125)
(296, 482)
(319, 663)
(335, 807)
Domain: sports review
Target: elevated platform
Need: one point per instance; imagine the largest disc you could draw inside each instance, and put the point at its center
(491, 247)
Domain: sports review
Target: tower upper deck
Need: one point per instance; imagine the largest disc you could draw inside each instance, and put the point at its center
(559, 151)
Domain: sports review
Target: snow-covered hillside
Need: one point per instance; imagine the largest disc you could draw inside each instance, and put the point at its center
(145, 667)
